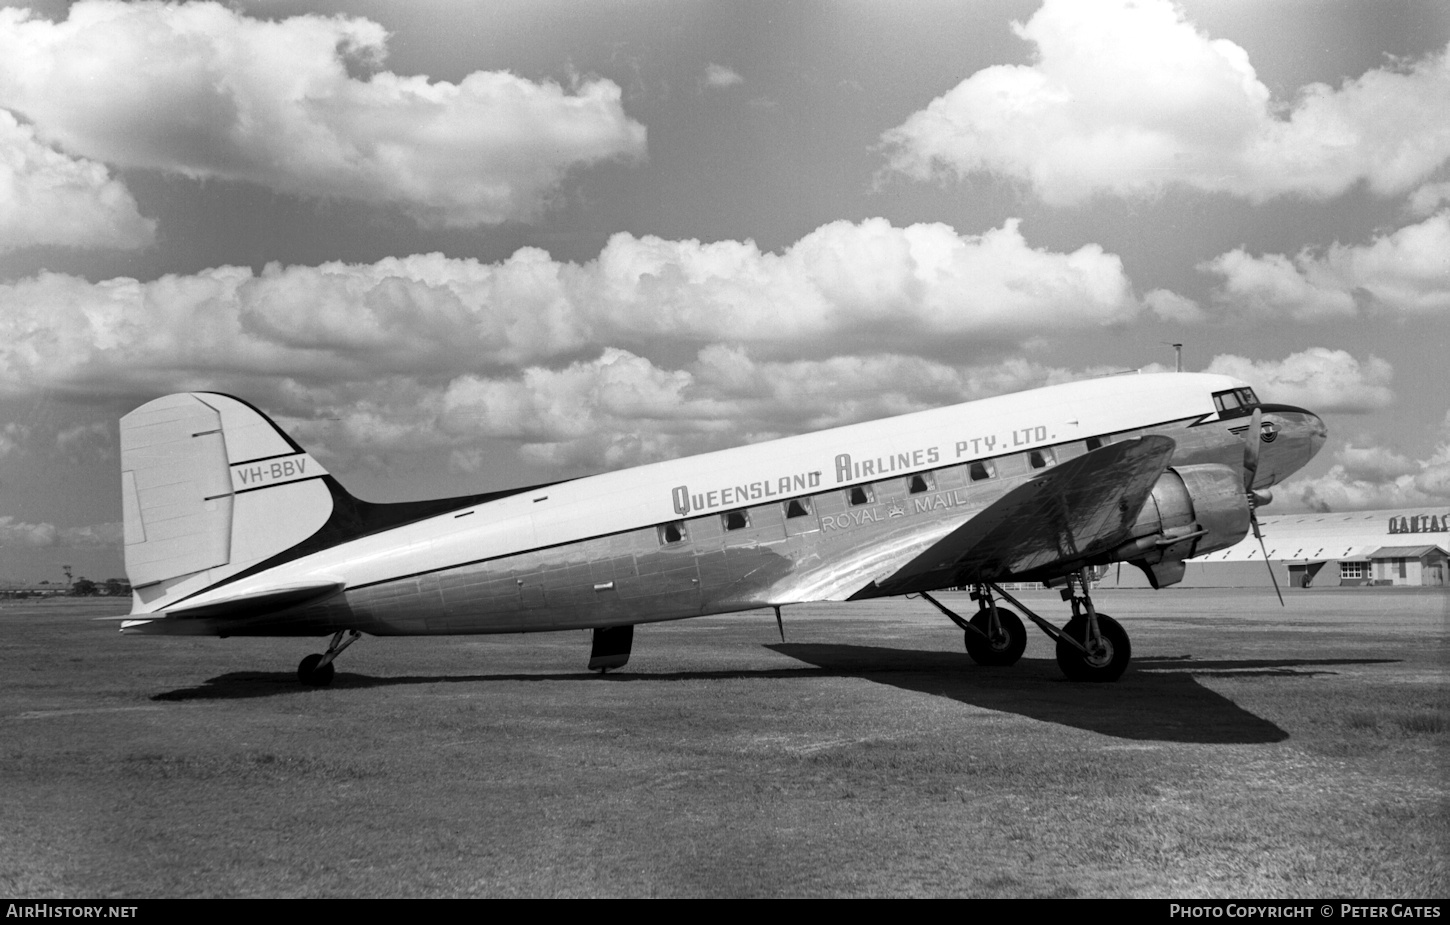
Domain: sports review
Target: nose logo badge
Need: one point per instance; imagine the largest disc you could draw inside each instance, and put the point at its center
(1268, 431)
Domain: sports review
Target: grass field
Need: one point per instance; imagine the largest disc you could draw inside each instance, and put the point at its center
(1249, 752)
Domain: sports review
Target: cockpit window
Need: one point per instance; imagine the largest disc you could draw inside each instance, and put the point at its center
(1235, 402)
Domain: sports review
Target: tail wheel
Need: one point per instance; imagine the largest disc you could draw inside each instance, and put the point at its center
(1104, 662)
(308, 672)
(1005, 648)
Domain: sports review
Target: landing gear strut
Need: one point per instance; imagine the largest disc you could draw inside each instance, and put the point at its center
(316, 669)
(1091, 647)
(995, 636)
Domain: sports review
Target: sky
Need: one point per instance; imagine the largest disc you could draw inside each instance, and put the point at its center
(454, 247)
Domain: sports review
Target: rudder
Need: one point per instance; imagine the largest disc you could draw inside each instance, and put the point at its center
(210, 487)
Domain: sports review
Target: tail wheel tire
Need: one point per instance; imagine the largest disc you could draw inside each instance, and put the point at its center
(1105, 662)
(1008, 645)
(308, 672)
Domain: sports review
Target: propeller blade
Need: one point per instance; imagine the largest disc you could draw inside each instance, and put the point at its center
(1254, 521)
(1251, 449)
(1251, 469)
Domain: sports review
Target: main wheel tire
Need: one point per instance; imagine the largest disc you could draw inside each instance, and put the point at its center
(308, 672)
(1106, 664)
(1009, 645)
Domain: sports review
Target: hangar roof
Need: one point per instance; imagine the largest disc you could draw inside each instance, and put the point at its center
(1316, 537)
(1407, 552)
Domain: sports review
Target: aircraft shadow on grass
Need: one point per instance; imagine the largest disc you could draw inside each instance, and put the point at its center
(1158, 699)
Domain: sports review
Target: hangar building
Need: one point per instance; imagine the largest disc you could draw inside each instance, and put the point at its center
(1403, 548)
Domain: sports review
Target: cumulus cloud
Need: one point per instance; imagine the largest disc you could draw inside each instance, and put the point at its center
(206, 91)
(1273, 286)
(1375, 476)
(1428, 198)
(618, 408)
(718, 76)
(356, 401)
(12, 438)
(869, 279)
(1319, 379)
(1370, 478)
(86, 441)
(49, 198)
(1374, 463)
(1405, 272)
(19, 533)
(853, 288)
(1127, 96)
(621, 409)
(1170, 306)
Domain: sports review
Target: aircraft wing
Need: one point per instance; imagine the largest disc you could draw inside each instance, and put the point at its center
(1070, 512)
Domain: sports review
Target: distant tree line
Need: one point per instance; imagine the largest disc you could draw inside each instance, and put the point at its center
(84, 587)
(81, 587)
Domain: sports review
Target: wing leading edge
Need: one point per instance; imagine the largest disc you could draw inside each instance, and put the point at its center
(1058, 520)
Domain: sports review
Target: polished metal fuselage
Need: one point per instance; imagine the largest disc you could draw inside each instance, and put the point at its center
(835, 547)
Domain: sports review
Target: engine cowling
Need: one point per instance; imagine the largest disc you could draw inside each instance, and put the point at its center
(1192, 510)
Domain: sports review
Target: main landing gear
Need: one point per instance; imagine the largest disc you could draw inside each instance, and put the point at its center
(995, 636)
(1091, 647)
(316, 669)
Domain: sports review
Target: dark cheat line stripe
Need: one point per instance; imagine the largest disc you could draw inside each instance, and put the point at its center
(248, 462)
(1190, 421)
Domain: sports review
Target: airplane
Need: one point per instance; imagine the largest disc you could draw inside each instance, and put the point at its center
(233, 529)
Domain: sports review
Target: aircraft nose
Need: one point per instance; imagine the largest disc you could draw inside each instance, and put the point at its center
(1304, 429)
(1318, 432)
(1297, 436)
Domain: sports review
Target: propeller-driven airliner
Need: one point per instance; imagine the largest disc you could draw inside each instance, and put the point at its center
(233, 529)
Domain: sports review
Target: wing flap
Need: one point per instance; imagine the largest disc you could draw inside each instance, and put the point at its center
(839, 578)
(1069, 513)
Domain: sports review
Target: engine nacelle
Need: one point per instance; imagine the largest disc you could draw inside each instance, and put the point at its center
(1193, 510)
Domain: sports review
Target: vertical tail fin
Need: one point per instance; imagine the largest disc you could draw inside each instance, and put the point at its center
(210, 487)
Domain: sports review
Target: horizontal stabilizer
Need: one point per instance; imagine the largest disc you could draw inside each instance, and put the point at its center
(248, 605)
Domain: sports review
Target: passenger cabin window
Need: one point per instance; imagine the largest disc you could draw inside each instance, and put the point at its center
(797, 507)
(735, 520)
(919, 483)
(981, 471)
(1093, 443)
(672, 533)
(1041, 459)
(861, 494)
